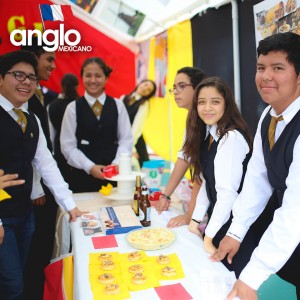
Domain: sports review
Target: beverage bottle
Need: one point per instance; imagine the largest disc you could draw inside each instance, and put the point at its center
(137, 195)
(145, 208)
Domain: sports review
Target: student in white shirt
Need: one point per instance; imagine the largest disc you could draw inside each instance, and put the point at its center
(271, 170)
(90, 139)
(137, 105)
(218, 144)
(185, 82)
(25, 147)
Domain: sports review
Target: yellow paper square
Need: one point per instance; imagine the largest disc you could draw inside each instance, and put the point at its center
(4, 195)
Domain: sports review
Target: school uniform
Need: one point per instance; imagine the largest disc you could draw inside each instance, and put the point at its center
(137, 115)
(272, 173)
(87, 140)
(18, 154)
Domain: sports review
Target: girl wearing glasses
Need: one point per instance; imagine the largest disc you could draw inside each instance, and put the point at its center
(186, 80)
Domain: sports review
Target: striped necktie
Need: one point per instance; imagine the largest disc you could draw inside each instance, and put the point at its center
(22, 120)
(97, 108)
(272, 128)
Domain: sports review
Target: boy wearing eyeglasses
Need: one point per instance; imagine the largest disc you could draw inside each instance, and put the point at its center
(24, 148)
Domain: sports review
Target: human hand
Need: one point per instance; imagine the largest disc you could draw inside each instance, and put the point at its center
(242, 291)
(229, 246)
(178, 221)
(74, 213)
(194, 228)
(162, 204)
(1, 234)
(97, 171)
(39, 201)
(208, 245)
(9, 180)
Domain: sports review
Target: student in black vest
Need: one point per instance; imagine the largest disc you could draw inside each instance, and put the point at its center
(137, 105)
(95, 130)
(219, 146)
(273, 169)
(185, 82)
(25, 146)
(56, 110)
(45, 208)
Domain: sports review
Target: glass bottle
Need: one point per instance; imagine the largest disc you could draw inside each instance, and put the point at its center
(137, 195)
(145, 208)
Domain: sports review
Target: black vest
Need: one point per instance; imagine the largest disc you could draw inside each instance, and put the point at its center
(16, 154)
(207, 165)
(132, 109)
(40, 111)
(278, 160)
(97, 139)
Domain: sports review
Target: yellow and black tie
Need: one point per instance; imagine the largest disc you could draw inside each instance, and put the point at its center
(97, 108)
(22, 120)
(272, 128)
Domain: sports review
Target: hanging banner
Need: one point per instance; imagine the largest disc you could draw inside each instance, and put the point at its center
(273, 16)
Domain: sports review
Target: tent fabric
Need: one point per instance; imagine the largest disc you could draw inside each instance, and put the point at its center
(59, 278)
(26, 15)
(165, 124)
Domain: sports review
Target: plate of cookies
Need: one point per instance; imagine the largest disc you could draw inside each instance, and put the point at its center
(150, 238)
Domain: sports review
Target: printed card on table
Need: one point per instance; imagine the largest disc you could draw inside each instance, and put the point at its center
(91, 224)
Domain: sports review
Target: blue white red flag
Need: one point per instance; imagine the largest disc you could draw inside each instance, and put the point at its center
(54, 12)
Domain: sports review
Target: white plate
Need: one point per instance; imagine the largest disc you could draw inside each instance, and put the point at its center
(117, 196)
(130, 177)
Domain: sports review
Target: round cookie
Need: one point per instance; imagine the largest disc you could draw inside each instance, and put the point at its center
(136, 269)
(104, 256)
(163, 259)
(106, 278)
(134, 256)
(112, 289)
(139, 278)
(107, 265)
(168, 271)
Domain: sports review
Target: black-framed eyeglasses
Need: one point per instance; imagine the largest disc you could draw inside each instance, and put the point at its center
(21, 76)
(179, 87)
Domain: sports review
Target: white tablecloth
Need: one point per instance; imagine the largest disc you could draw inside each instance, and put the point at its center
(203, 278)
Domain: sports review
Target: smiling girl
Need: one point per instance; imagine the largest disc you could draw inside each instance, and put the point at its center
(95, 130)
(219, 146)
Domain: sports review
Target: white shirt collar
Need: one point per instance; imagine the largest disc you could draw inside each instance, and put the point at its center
(212, 130)
(7, 105)
(91, 100)
(289, 112)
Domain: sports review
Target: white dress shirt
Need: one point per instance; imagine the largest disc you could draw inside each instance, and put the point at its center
(283, 234)
(228, 168)
(68, 141)
(45, 164)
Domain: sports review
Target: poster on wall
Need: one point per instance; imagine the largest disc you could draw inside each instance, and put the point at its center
(273, 16)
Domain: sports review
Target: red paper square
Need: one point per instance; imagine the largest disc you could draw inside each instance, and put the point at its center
(108, 241)
(173, 291)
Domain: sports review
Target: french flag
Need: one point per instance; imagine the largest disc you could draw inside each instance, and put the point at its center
(55, 12)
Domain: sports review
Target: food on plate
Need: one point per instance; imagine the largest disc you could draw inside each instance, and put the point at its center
(136, 269)
(134, 256)
(284, 28)
(168, 271)
(279, 11)
(107, 265)
(151, 239)
(106, 278)
(104, 256)
(112, 289)
(163, 259)
(270, 16)
(139, 278)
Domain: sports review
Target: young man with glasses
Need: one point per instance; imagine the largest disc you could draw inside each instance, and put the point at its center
(185, 82)
(24, 147)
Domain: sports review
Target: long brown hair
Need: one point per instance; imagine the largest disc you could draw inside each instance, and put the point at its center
(196, 128)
